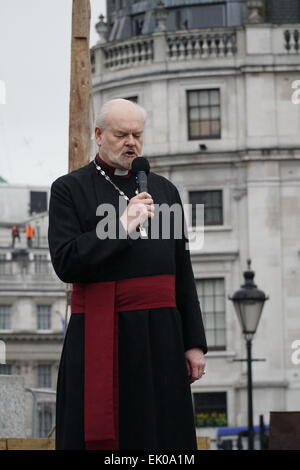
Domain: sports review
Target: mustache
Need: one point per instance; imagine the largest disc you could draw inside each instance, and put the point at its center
(130, 150)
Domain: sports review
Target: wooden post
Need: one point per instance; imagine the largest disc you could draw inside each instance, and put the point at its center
(80, 95)
(79, 123)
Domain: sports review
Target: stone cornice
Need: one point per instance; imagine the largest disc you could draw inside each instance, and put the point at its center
(165, 162)
(30, 336)
(263, 384)
(203, 257)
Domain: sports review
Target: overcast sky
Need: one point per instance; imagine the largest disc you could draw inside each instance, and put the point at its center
(35, 42)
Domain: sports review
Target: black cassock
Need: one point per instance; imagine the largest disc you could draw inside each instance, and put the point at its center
(155, 403)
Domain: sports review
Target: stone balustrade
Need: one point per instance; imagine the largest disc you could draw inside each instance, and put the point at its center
(137, 51)
(186, 46)
(201, 45)
(292, 40)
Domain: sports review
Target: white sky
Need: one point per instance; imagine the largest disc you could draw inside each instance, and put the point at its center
(35, 42)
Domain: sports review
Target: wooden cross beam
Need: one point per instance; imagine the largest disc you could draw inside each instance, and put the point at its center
(80, 92)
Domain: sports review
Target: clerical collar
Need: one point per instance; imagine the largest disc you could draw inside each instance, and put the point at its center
(110, 169)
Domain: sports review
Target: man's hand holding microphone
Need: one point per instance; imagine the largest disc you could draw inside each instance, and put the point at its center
(140, 207)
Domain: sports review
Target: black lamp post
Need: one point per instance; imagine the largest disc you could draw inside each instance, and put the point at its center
(248, 302)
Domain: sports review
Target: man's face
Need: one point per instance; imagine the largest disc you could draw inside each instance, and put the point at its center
(122, 138)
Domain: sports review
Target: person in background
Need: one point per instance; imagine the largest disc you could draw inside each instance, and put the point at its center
(15, 233)
(30, 234)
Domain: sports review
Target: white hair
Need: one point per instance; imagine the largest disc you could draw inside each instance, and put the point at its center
(101, 118)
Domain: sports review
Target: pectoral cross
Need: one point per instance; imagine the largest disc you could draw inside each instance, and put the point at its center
(143, 232)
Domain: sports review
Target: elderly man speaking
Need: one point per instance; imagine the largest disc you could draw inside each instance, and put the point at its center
(135, 340)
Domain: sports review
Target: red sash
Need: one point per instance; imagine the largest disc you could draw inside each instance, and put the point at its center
(100, 301)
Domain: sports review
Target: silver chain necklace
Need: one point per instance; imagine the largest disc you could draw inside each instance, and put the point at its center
(102, 172)
(142, 229)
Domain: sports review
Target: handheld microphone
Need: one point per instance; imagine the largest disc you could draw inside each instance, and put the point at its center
(140, 167)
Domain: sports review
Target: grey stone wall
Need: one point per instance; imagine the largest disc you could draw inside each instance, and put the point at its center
(12, 407)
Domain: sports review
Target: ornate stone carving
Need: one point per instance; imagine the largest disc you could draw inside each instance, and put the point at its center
(161, 16)
(256, 11)
(101, 28)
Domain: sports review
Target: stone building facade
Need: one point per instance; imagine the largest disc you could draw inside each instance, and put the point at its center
(223, 125)
(32, 304)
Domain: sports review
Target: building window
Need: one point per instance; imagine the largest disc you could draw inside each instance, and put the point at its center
(210, 409)
(46, 415)
(213, 206)
(5, 265)
(134, 99)
(204, 114)
(137, 24)
(44, 317)
(41, 264)
(44, 376)
(211, 294)
(5, 369)
(38, 202)
(5, 317)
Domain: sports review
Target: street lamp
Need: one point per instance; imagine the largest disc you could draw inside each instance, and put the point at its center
(248, 302)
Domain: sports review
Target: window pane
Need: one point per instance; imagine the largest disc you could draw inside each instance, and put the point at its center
(195, 114)
(194, 129)
(215, 127)
(214, 112)
(44, 375)
(46, 414)
(216, 198)
(209, 320)
(213, 210)
(212, 303)
(5, 317)
(41, 264)
(204, 105)
(44, 317)
(220, 337)
(38, 201)
(219, 286)
(5, 369)
(220, 303)
(205, 128)
(208, 304)
(204, 113)
(204, 98)
(209, 217)
(197, 215)
(220, 320)
(214, 97)
(208, 287)
(216, 216)
(210, 337)
(193, 98)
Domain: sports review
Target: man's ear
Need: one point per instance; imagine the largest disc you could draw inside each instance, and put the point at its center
(98, 136)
